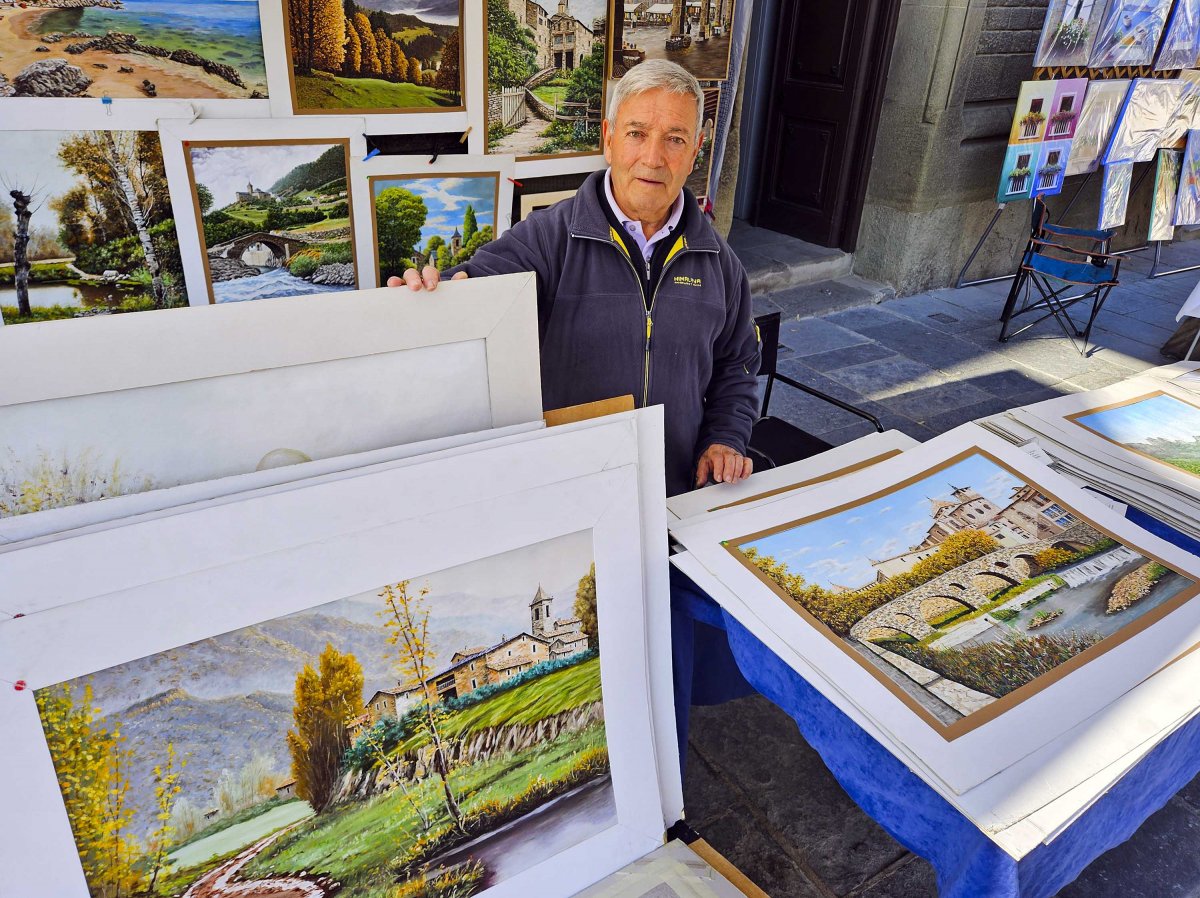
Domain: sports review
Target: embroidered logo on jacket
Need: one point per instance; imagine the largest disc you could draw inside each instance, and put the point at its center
(682, 280)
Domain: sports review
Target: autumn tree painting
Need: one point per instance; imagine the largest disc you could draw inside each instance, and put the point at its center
(351, 57)
(320, 739)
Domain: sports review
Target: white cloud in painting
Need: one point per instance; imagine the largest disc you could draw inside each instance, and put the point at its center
(840, 543)
(226, 170)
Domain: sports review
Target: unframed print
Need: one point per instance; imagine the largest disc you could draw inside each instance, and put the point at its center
(1166, 188)
(1129, 33)
(1181, 45)
(1114, 194)
(181, 49)
(1149, 110)
(696, 35)
(1101, 105)
(1068, 33)
(1158, 426)
(402, 56)
(274, 217)
(101, 232)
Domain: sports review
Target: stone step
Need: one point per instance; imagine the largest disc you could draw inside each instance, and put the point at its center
(823, 297)
(776, 261)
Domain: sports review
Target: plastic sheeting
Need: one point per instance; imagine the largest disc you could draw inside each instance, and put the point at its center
(1114, 194)
(1187, 202)
(1150, 109)
(1129, 33)
(1069, 32)
(1100, 108)
(1166, 187)
(1181, 46)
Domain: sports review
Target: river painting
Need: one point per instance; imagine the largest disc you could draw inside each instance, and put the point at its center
(182, 49)
(92, 243)
(967, 590)
(275, 217)
(428, 738)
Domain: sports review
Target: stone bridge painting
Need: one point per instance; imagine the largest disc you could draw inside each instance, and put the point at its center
(964, 586)
(275, 217)
(425, 738)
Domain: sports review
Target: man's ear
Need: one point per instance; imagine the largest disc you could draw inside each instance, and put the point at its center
(605, 139)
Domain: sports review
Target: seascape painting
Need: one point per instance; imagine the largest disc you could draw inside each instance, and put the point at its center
(180, 49)
(1158, 426)
(275, 217)
(545, 77)
(438, 220)
(971, 589)
(376, 56)
(697, 35)
(86, 226)
(697, 181)
(426, 739)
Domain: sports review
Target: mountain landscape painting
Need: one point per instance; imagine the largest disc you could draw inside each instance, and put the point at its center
(431, 738)
(375, 55)
(964, 590)
(1159, 426)
(275, 217)
(181, 49)
(86, 226)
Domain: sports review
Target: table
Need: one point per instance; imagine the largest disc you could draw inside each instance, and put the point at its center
(734, 663)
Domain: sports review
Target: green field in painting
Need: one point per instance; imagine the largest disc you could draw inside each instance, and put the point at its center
(1191, 465)
(335, 92)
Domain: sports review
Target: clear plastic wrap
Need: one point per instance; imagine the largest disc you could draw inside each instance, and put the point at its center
(1069, 32)
(1166, 187)
(1187, 201)
(1181, 45)
(1129, 33)
(1149, 109)
(1100, 108)
(1175, 134)
(1114, 194)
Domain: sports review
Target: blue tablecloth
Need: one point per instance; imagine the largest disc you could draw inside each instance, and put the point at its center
(717, 659)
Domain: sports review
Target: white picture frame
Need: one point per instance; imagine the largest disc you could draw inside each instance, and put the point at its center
(107, 629)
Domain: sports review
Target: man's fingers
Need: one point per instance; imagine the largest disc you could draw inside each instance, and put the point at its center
(394, 281)
(747, 467)
(413, 280)
(459, 276)
(720, 467)
(703, 469)
(431, 276)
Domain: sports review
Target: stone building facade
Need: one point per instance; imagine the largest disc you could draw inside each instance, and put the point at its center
(561, 39)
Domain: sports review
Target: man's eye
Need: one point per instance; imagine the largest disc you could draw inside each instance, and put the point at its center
(635, 134)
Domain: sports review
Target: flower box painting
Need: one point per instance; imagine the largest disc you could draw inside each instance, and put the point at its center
(1016, 177)
(1034, 106)
(1065, 108)
(350, 57)
(86, 226)
(438, 220)
(1130, 33)
(1158, 426)
(1052, 162)
(431, 737)
(180, 49)
(1068, 32)
(1166, 188)
(274, 216)
(972, 589)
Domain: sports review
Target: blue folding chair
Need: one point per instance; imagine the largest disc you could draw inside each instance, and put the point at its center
(1057, 262)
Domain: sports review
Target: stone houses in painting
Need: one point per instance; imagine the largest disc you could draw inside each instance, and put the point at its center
(549, 638)
(562, 40)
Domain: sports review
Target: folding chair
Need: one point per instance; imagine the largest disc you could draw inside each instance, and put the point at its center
(1058, 260)
(775, 442)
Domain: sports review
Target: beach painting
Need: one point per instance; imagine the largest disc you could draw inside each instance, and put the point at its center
(1158, 426)
(438, 220)
(275, 217)
(429, 737)
(965, 589)
(545, 77)
(86, 226)
(376, 57)
(179, 49)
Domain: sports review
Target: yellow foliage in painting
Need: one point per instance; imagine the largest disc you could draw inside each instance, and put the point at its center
(49, 483)
(318, 32)
(320, 739)
(366, 37)
(352, 64)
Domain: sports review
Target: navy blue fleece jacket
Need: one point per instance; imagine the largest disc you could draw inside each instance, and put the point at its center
(690, 345)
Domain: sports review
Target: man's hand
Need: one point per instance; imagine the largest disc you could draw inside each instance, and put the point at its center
(426, 280)
(722, 465)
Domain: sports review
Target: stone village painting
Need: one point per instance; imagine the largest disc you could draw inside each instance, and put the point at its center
(181, 49)
(275, 217)
(86, 226)
(968, 586)
(1159, 426)
(427, 739)
(696, 34)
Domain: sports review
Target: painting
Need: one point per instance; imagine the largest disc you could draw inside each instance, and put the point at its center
(1101, 105)
(1033, 108)
(1016, 178)
(697, 35)
(972, 589)
(544, 77)
(438, 220)
(534, 194)
(698, 181)
(1114, 194)
(1129, 33)
(181, 49)
(1187, 202)
(1065, 108)
(1150, 110)
(371, 57)
(1068, 33)
(1157, 426)
(1166, 188)
(1052, 162)
(86, 226)
(274, 216)
(1180, 47)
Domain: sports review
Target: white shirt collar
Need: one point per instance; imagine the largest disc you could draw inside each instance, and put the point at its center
(634, 227)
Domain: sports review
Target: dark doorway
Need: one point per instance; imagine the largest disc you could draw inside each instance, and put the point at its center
(826, 87)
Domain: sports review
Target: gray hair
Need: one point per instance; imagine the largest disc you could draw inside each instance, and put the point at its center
(657, 74)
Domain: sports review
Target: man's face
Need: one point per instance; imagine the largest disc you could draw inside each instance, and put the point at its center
(651, 151)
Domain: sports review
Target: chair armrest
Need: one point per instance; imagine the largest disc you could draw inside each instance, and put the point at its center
(831, 399)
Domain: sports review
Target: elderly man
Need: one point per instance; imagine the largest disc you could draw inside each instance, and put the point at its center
(636, 291)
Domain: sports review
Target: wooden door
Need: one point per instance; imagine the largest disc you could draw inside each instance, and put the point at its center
(831, 61)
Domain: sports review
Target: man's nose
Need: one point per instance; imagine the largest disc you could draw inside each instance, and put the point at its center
(655, 155)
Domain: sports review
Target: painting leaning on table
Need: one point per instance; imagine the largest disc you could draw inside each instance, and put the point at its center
(970, 589)
(426, 739)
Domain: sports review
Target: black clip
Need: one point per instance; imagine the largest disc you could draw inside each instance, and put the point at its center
(372, 151)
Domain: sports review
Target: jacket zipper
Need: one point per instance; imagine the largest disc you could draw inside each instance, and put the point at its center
(647, 307)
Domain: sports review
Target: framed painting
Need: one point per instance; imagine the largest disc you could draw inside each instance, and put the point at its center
(276, 398)
(1180, 48)
(1166, 189)
(696, 35)
(699, 180)
(1101, 104)
(1150, 109)
(265, 208)
(416, 214)
(462, 686)
(1129, 33)
(86, 226)
(1114, 194)
(898, 623)
(532, 194)
(1068, 33)
(1187, 201)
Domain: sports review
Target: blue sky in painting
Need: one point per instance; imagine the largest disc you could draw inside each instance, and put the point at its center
(836, 550)
(446, 201)
(1160, 416)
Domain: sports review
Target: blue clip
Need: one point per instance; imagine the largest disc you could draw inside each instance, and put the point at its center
(107, 101)
(371, 155)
